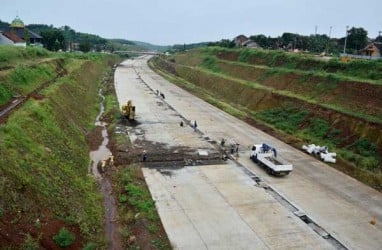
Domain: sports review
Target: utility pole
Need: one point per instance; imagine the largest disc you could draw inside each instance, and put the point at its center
(346, 38)
(327, 44)
(315, 30)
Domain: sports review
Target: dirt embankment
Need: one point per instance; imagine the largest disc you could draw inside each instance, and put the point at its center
(358, 96)
(44, 166)
(355, 98)
(309, 93)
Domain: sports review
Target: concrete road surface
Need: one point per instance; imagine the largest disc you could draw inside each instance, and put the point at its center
(340, 205)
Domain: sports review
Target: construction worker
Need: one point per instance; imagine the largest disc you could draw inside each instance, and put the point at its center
(195, 125)
(222, 143)
(103, 166)
(144, 156)
(111, 158)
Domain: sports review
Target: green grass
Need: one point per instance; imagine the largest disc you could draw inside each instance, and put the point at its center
(137, 195)
(23, 79)
(360, 69)
(287, 119)
(44, 158)
(11, 55)
(295, 121)
(136, 204)
(210, 63)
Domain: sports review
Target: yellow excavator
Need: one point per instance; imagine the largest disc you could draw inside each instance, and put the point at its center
(128, 110)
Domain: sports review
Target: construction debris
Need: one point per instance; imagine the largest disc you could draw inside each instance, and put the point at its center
(322, 152)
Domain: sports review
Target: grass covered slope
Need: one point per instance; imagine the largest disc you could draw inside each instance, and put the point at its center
(11, 56)
(302, 97)
(44, 159)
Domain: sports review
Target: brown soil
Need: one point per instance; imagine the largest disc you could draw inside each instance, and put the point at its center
(359, 96)
(259, 99)
(15, 227)
(37, 96)
(94, 138)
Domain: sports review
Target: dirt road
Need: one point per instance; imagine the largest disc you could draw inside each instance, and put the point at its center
(339, 205)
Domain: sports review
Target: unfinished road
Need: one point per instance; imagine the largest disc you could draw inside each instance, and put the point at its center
(225, 206)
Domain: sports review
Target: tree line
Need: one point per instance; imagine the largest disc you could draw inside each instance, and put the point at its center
(66, 38)
(356, 39)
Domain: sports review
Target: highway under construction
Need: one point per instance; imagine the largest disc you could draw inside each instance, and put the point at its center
(208, 198)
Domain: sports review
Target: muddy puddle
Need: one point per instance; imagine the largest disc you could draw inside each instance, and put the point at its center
(97, 156)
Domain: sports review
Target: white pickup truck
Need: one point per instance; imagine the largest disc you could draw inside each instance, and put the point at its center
(266, 156)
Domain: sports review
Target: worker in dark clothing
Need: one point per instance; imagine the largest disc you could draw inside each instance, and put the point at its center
(144, 157)
(195, 125)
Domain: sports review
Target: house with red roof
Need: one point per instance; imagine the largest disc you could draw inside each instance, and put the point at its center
(17, 34)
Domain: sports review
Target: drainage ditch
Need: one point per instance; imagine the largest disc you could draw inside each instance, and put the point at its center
(97, 157)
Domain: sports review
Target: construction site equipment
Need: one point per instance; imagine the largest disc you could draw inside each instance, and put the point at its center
(266, 156)
(128, 110)
(323, 152)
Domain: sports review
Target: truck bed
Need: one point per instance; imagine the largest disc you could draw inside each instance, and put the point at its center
(275, 164)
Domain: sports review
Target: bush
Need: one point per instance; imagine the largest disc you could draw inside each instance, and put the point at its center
(319, 127)
(369, 163)
(123, 198)
(364, 147)
(64, 238)
(210, 62)
(244, 56)
(90, 246)
(287, 119)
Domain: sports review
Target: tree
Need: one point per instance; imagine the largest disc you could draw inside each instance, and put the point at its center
(222, 43)
(53, 39)
(85, 45)
(288, 40)
(318, 43)
(27, 37)
(262, 41)
(357, 38)
(378, 39)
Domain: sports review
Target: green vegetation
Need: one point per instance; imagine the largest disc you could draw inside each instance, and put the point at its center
(293, 120)
(362, 69)
(210, 62)
(11, 55)
(318, 43)
(25, 79)
(64, 238)
(44, 157)
(287, 119)
(136, 207)
(30, 243)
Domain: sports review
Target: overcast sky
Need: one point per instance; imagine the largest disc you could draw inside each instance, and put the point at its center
(167, 22)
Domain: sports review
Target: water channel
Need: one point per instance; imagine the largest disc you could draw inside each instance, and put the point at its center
(97, 156)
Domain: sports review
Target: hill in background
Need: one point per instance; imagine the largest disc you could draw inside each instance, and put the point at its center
(67, 39)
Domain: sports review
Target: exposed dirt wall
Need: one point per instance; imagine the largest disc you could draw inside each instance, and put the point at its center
(259, 99)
